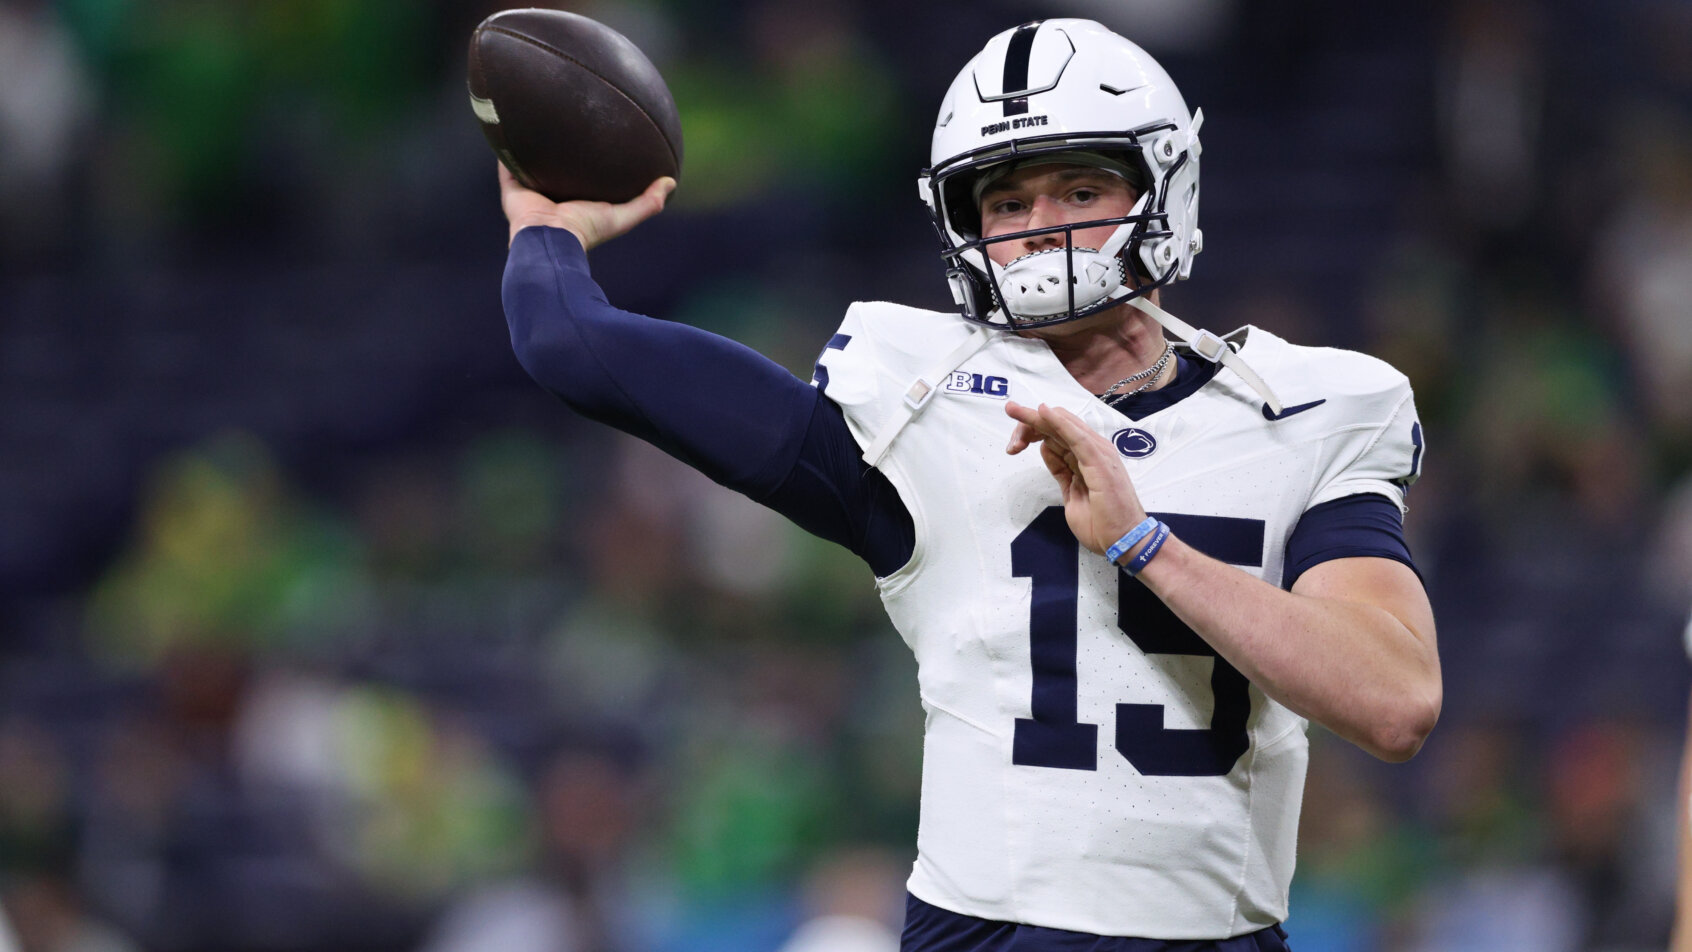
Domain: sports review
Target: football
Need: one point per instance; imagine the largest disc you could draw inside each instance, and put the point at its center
(571, 106)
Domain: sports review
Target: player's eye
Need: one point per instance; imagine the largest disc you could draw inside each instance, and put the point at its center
(1084, 196)
(1009, 206)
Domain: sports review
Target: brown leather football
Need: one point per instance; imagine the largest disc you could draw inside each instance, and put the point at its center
(571, 107)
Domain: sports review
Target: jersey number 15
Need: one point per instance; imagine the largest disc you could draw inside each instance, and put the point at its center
(1047, 553)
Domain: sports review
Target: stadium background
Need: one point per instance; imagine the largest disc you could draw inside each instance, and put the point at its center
(324, 628)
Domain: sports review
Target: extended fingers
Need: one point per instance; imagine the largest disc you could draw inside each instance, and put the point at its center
(1021, 438)
(1026, 433)
(1020, 413)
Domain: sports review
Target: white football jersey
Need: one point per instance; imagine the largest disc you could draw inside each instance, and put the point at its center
(1089, 763)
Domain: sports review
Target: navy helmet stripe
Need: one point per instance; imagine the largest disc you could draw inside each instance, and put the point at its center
(1016, 66)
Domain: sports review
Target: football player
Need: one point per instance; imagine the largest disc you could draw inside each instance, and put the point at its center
(1122, 635)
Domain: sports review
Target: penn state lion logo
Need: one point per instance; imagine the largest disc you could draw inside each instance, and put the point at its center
(1134, 443)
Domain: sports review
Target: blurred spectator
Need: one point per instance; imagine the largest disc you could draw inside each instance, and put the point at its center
(1600, 792)
(285, 734)
(808, 115)
(754, 804)
(1643, 284)
(1490, 122)
(575, 898)
(225, 556)
(46, 104)
(35, 819)
(513, 493)
(433, 809)
(854, 903)
(1670, 562)
(1510, 908)
(142, 837)
(49, 916)
(1359, 862)
(1547, 421)
(221, 115)
(1498, 891)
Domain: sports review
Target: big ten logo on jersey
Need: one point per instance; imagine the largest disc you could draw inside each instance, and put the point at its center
(962, 381)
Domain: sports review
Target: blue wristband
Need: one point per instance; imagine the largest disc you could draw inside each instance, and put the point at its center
(1149, 551)
(1131, 538)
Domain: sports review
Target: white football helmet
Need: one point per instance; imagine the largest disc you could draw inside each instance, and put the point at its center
(1036, 93)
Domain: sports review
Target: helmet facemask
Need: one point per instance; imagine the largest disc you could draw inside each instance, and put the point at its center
(1067, 282)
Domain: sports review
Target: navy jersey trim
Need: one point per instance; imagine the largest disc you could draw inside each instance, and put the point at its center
(1190, 377)
(1365, 525)
(1415, 457)
(929, 928)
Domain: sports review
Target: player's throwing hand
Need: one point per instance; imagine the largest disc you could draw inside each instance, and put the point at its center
(593, 223)
(1099, 500)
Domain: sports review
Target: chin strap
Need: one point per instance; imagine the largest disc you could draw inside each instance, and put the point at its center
(1211, 348)
(922, 390)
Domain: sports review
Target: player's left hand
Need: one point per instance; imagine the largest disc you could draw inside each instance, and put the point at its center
(1099, 500)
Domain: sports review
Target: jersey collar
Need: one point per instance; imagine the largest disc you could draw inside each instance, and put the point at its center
(1190, 376)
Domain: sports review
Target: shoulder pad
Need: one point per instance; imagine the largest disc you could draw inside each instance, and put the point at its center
(875, 367)
(1365, 389)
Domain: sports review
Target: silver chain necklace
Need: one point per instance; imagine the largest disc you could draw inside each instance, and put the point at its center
(1149, 375)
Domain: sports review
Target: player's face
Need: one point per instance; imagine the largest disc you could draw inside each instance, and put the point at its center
(1047, 195)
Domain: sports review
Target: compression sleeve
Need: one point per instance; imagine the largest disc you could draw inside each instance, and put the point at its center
(834, 494)
(1364, 524)
(717, 405)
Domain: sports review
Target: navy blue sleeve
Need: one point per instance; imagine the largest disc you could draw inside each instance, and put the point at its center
(1366, 524)
(717, 405)
(834, 494)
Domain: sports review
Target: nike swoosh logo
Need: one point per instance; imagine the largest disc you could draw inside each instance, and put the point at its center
(1271, 415)
(1117, 92)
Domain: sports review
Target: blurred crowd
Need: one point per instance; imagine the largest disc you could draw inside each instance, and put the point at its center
(323, 628)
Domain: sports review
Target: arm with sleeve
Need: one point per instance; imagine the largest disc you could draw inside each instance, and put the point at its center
(717, 405)
(1351, 646)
